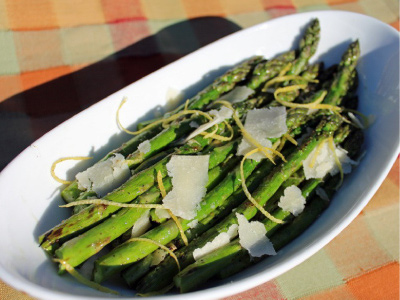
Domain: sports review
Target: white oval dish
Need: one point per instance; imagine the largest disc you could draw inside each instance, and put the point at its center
(29, 196)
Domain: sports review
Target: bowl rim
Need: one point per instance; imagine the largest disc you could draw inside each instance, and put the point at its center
(223, 290)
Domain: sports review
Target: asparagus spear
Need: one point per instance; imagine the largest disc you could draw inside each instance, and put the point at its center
(234, 200)
(208, 266)
(160, 277)
(88, 217)
(308, 47)
(128, 253)
(222, 84)
(344, 79)
(198, 273)
(135, 186)
(80, 248)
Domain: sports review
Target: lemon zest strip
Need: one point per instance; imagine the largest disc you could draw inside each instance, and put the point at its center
(94, 285)
(112, 203)
(290, 139)
(161, 184)
(162, 121)
(138, 239)
(53, 167)
(313, 105)
(282, 78)
(318, 149)
(186, 104)
(285, 69)
(248, 194)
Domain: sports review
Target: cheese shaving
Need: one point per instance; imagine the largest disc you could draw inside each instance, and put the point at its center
(219, 241)
(292, 200)
(137, 239)
(144, 147)
(252, 237)
(355, 120)
(263, 124)
(266, 150)
(193, 223)
(324, 160)
(189, 178)
(94, 285)
(54, 165)
(141, 225)
(162, 213)
(219, 116)
(238, 94)
(194, 124)
(158, 256)
(104, 176)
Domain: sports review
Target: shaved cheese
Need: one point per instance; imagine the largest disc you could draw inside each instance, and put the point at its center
(189, 178)
(219, 116)
(355, 120)
(317, 165)
(252, 237)
(193, 224)
(194, 124)
(162, 213)
(173, 97)
(238, 94)
(158, 257)
(141, 225)
(144, 147)
(219, 241)
(292, 200)
(263, 124)
(104, 176)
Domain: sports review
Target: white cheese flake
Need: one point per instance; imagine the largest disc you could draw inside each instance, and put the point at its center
(325, 163)
(355, 120)
(263, 124)
(193, 223)
(189, 178)
(144, 147)
(252, 237)
(162, 213)
(238, 94)
(292, 200)
(104, 176)
(158, 257)
(194, 124)
(141, 225)
(219, 116)
(219, 241)
(173, 97)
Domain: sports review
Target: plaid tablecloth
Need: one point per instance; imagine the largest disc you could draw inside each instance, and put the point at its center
(59, 57)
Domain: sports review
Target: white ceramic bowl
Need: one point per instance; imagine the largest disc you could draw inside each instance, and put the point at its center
(29, 196)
